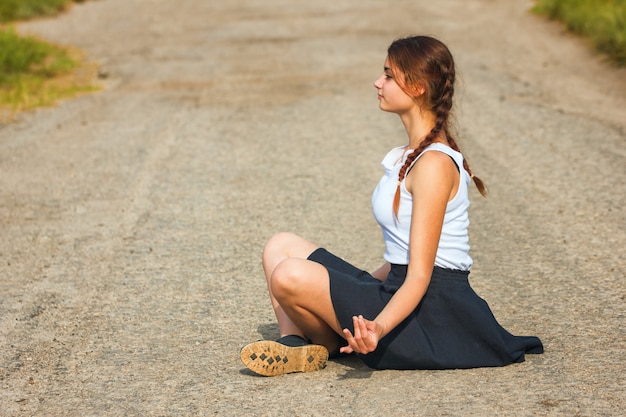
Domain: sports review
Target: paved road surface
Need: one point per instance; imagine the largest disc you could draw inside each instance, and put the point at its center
(132, 220)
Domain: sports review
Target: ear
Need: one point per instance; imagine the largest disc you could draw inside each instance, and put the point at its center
(418, 90)
(415, 89)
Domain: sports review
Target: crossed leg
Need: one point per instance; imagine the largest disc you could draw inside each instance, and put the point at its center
(299, 290)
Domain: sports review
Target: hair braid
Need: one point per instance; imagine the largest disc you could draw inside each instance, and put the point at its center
(482, 189)
(426, 62)
(442, 108)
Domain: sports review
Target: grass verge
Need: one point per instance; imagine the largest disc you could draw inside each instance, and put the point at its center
(12, 10)
(601, 21)
(35, 73)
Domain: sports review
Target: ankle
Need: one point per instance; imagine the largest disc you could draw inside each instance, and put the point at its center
(293, 340)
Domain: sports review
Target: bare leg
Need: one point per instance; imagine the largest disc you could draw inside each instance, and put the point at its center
(278, 248)
(300, 290)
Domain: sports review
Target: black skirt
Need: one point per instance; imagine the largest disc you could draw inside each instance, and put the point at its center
(451, 328)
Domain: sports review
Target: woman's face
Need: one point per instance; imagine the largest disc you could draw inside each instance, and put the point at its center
(390, 96)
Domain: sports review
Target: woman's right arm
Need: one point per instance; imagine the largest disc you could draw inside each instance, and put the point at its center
(382, 272)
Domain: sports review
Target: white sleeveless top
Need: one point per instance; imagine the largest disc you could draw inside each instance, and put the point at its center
(453, 249)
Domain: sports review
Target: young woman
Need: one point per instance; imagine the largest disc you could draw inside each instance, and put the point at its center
(417, 311)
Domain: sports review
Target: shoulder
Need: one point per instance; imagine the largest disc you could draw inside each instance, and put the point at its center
(434, 159)
(433, 168)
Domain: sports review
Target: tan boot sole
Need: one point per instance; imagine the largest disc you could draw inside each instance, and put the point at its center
(271, 358)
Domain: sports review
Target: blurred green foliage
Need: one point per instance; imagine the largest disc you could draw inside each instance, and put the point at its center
(602, 21)
(21, 55)
(33, 72)
(12, 10)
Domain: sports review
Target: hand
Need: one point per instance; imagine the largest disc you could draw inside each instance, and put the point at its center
(366, 336)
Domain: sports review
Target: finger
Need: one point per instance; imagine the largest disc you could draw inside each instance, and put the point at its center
(349, 338)
(346, 349)
(366, 337)
(347, 334)
(358, 334)
(352, 346)
(357, 329)
(368, 332)
(361, 334)
(353, 339)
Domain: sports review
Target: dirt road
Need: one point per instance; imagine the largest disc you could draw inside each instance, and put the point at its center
(132, 220)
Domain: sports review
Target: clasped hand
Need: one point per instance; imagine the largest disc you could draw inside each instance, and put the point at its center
(365, 338)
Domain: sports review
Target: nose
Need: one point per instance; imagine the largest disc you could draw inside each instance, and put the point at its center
(377, 83)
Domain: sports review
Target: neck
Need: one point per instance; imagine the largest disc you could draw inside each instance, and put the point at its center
(417, 125)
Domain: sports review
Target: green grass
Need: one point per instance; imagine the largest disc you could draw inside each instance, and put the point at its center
(601, 21)
(35, 73)
(12, 10)
(27, 55)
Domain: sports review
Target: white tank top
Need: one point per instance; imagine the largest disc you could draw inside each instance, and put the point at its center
(453, 249)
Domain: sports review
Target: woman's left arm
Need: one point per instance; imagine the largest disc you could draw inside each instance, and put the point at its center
(431, 182)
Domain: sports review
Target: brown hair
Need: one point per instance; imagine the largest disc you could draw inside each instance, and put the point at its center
(422, 62)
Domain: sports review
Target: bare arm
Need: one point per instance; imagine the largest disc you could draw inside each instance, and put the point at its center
(431, 182)
(382, 272)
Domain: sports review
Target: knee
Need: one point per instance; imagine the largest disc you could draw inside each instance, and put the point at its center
(285, 280)
(278, 242)
(276, 248)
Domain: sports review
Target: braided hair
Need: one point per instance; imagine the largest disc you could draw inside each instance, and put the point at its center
(424, 62)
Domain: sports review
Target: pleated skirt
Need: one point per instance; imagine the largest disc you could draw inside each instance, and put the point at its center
(451, 328)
